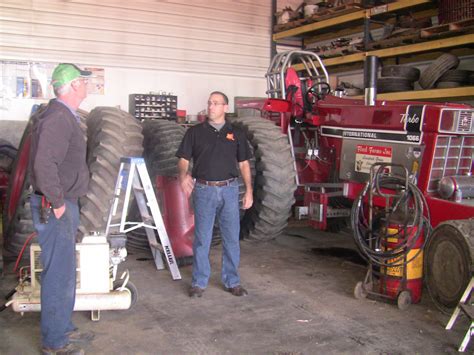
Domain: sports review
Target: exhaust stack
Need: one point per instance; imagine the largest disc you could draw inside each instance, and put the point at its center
(370, 79)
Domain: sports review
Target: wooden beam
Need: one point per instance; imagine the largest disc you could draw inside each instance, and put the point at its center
(464, 92)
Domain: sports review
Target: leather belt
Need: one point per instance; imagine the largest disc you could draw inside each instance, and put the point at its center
(216, 183)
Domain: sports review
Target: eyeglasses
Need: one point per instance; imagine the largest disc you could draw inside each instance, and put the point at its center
(214, 103)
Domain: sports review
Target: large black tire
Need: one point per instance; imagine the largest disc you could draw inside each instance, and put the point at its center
(393, 84)
(457, 75)
(7, 155)
(402, 71)
(111, 135)
(161, 139)
(20, 227)
(441, 65)
(448, 262)
(274, 181)
(17, 220)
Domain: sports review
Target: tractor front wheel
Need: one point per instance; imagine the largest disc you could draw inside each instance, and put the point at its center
(449, 261)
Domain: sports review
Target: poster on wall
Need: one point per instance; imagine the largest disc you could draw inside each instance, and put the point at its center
(96, 82)
(31, 80)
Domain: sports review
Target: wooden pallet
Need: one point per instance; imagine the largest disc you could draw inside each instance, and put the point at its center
(321, 15)
(449, 29)
(339, 51)
(409, 37)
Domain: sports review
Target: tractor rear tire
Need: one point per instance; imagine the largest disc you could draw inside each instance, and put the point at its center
(17, 220)
(274, 181)
(449, 261)
(161, 141)
(111, 135)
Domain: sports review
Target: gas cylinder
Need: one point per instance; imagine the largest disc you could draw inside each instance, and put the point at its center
(406, 276)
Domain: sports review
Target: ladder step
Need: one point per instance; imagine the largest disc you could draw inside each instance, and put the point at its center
(134, 172)
(468, 310)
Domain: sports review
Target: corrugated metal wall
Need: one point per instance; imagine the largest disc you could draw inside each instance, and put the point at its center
(226, 37)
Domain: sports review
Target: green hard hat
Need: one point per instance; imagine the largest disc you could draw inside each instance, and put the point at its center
(67, 72)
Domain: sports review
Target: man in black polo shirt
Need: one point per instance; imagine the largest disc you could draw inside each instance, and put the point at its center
(217, 149)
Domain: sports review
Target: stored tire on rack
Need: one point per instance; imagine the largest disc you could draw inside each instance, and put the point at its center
(449, 262)
(393, 84)
(401, 71)
(111, 135)
(441, 65)
(274, 182)
(447, 84)
(456, 75)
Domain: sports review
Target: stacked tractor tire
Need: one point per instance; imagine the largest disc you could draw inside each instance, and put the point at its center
(441, 73)
(112, 134)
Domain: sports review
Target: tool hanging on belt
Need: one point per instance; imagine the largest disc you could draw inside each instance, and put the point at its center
(45, 210)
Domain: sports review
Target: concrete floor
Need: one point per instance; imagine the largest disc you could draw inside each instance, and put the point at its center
(300, 302)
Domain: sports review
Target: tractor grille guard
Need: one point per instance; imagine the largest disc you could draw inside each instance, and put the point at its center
(453, 156)
(281, 62)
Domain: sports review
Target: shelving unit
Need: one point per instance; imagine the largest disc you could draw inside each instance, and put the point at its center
(153, 106)
(450, 42)
(353, 21)
(357, 16)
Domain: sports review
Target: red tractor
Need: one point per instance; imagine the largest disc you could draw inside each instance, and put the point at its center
(335, 141)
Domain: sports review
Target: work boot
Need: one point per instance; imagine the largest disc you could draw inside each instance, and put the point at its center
(80, 337)
(237, 290)
(69, 349)
(195, 291)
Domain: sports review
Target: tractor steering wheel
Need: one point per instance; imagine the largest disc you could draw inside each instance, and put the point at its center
(318, 91)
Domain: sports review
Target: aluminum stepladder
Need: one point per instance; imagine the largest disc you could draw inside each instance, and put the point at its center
(133, 175)
(465, 306)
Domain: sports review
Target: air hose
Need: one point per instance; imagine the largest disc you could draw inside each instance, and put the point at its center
(408, 209)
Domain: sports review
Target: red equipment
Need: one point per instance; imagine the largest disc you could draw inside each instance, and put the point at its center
(408, 274)
(178, 215)
(335, 141)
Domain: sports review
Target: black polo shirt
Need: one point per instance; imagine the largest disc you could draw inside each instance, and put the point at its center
(215, 154)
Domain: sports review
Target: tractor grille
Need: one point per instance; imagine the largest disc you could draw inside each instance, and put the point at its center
(453, 156)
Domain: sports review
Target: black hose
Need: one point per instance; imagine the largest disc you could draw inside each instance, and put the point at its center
(371, 239)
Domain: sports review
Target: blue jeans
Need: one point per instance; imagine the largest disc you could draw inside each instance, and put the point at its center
(57, 240)
(211, 202)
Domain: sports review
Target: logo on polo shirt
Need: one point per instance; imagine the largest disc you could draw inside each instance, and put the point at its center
(230, 136)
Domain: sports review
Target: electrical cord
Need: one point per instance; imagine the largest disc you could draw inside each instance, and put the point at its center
(371, 240)
(20, 255)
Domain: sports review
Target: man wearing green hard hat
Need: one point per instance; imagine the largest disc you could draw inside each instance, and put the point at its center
(59, 176)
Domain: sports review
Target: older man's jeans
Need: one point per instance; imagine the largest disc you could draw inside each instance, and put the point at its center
(57, 240)
(211, 202)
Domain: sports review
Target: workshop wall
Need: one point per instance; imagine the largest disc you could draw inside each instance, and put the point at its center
(188, 48)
